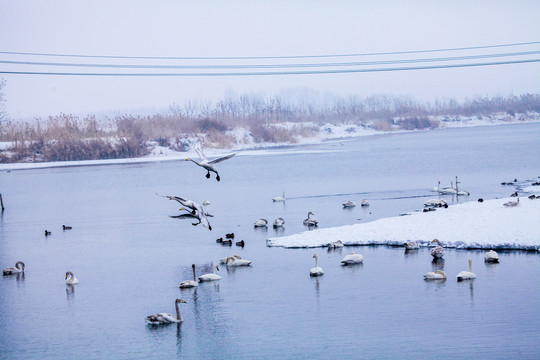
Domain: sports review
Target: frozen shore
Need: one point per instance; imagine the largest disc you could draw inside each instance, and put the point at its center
(471, 225)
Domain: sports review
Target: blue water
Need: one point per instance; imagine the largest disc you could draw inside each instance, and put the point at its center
(130, 257)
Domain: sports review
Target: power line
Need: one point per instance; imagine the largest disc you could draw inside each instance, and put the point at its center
(304, 72)
(267, 57)
(270, 66)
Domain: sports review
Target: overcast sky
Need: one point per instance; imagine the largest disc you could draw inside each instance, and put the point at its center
(176, 28)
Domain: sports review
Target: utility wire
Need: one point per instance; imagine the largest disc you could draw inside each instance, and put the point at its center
(272, 66)
(267, 57)
(297, 72)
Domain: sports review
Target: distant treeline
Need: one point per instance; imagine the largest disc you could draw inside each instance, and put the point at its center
(67, 137)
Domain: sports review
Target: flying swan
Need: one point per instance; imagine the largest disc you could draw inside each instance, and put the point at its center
(164, 318)
(209, 165)
(190, 283)
(19, 268)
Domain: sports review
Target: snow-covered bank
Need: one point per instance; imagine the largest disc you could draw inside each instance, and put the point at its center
(487, 225)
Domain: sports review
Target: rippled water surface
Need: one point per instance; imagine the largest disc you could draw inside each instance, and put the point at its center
(130, 257)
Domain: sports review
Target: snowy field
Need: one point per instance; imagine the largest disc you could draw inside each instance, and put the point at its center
(471, 225)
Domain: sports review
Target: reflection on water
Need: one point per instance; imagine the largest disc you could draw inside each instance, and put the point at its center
(437, 264)
(70, 292)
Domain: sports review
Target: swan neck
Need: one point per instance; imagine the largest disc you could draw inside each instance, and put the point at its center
(194, 275)
(178, 315)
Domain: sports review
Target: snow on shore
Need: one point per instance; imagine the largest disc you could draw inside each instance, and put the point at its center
(487, 225)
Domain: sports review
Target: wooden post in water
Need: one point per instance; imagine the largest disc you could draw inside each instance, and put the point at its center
(1, 203)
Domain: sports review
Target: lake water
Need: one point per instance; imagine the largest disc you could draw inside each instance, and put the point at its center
(130, 257)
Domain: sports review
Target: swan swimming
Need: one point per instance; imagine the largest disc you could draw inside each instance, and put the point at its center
(279, 222)
(71, 279)
(19, 268)
(461, 192)
(164, 318)
(335, 244)
(352, 259)
(224, 260)
(466, 275)
(435, 275)
(411, 245)
(365, 202)
(438, 251)
(211, 277)
(435, 202)
(316, 271)
(310, 221)
(209, 165)
(449, 190)
(190, 283)
(233, 261)
(491, 257)
(279, 198)
(260, 223)
(436, 188)
(348, 204)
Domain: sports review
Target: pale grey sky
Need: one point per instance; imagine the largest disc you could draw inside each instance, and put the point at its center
(179, 28)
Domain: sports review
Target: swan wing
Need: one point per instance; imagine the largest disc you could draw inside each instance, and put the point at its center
(161, 318)
(220, 159)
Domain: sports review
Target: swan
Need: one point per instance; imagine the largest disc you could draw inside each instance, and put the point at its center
(411, 245)
(164, 318)
(435, 202)
(206, 202)
(511, 203)
(209, 165)
(260, 223)
(211, 277)
(316, 271)
(311, 221)
(224, 260)
(365, 202)
(436, 188)
(336, 244)
(352, 259)
(438, 251)
(449, 190)
(349, 204)
(72, 279)
(279, 198)
(233, 261)
(65, 227)
(435, 275)
(279, 222)
(461, 192)
(19, 268)
(201, 216)
(466, 275)
(190, 283)
(491, 257)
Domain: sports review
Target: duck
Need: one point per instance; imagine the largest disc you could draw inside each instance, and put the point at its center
(438, 251)
(19, 268)
(310, 221)
(164, 318)
(466, 275)
(532, 197)
(411, 245)
(491, 257)
(279, 198)
(190, 283)
(352, 259)
(241, 243)
(511, 203)
(209, 165)
(279, 222)
(229, 236)
(435, 275)
(260, 223)
(71, 279)
(227, 242)
(224, 260)
(47, 233)
(233, 261)
(365, 202)
(348, 204)
(66, 227)
(211, 277)
(515, 194)
(336, 244)
(316, 271)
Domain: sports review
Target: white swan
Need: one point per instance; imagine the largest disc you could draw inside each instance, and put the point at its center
(206, 202)
(279, 222)
(209, 165)
(234, 261)
(310, 221)
(348, 204)
(511, 203)
(190, 283)
(316, 271)
(491, 257)
(335, 244)
(19, 268)
(449, 190)
(211, 277)
(466, 275)
(260, 223)
(438, 251)
(352, 259)
(435, 275)
(365, 202)
(436, 188)
(435, 202)
(164, 318)
(224, 260)
(461, 192)
(411, 245)
(71, 279)
(279, 198)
